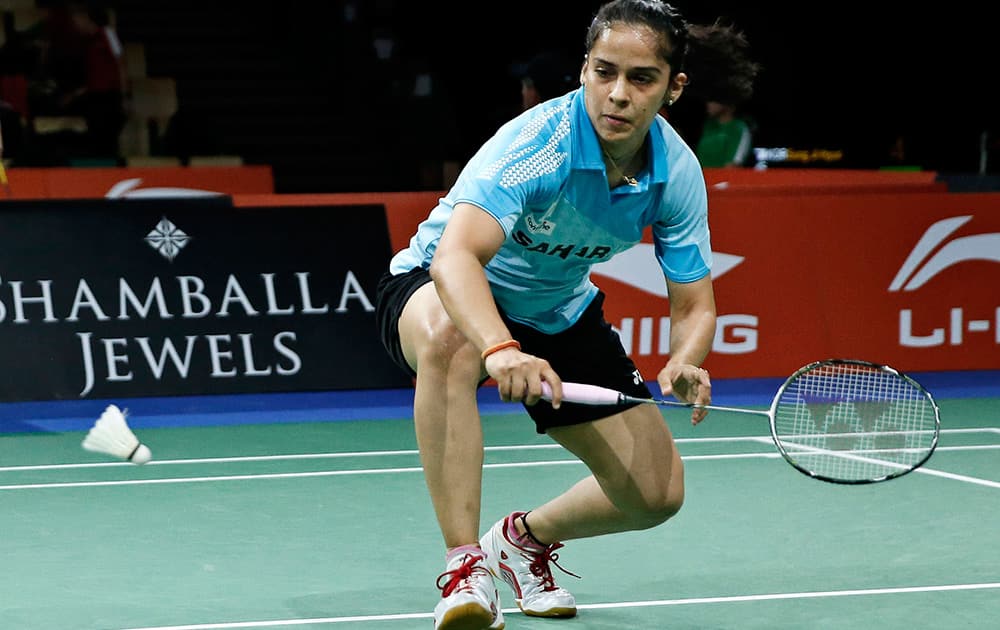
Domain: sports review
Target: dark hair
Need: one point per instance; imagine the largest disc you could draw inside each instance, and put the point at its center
(715, 57)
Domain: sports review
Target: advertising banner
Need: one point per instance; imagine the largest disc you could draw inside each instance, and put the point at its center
(119, 298)
(909, 280)
(271, 293)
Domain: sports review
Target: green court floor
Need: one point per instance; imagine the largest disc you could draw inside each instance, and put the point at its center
(327, 525)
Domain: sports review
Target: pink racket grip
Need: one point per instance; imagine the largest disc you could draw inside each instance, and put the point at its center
(584, 394)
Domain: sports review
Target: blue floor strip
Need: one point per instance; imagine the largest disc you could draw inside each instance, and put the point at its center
(274, 408)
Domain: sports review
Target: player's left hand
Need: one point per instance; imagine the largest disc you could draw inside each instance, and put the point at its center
(689, 384)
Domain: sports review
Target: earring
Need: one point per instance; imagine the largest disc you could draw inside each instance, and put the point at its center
(670, 102)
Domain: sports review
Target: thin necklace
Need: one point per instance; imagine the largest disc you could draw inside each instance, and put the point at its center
(631, 181)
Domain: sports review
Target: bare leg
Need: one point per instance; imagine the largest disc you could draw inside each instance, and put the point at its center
(637, 480)
(446, 417)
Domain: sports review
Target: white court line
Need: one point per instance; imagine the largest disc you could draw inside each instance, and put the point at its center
(414, 469)
(278, 623)
(295, 456)
(757, 439)
(350, 454)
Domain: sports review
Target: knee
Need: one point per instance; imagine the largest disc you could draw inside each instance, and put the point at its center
(655, 504)
(660, 509)
(446, 349)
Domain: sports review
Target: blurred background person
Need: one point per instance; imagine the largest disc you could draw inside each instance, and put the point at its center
(99, 95)
(547, 75)
(726, 138)
(80, 74)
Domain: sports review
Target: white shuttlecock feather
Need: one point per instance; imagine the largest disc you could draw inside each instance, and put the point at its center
(112, 435)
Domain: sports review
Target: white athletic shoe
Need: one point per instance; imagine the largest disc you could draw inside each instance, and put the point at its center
(469, 597)
(527, 573)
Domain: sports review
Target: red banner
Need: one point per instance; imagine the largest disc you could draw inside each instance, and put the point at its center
(909, 280)
(95, 183)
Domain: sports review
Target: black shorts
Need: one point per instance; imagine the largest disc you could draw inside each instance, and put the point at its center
(589, 351)
(391, 296)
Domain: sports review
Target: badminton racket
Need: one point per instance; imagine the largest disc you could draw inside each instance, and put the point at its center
(842, 421)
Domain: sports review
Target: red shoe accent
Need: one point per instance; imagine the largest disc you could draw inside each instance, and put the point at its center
(459, 575)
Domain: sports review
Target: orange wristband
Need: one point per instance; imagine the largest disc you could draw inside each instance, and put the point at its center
(503, 345)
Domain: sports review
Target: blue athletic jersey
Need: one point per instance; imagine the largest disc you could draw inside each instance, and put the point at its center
(542, 177)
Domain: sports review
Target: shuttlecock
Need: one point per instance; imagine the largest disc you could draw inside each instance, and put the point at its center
(112, 435)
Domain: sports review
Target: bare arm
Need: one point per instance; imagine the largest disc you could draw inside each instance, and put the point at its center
(692, 329)
(471, 238)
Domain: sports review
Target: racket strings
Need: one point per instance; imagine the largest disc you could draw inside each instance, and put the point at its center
(854, 422)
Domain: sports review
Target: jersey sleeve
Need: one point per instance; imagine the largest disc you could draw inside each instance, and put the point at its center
(681, 236)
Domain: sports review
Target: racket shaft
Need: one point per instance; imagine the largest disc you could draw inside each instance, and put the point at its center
(585, 394)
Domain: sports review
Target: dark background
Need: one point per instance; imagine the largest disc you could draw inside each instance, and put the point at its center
(294, 85)
(835, 75)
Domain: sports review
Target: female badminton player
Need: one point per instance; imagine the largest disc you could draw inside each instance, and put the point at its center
(496, 283)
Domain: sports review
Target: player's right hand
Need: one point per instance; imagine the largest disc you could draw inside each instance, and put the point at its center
(519, 376)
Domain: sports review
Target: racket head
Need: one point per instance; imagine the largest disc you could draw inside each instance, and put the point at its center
(850, 421)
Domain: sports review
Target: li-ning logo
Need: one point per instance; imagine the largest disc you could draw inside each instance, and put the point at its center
(974, 247)
(637, 268)
(167, 238)
(736, 333)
